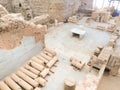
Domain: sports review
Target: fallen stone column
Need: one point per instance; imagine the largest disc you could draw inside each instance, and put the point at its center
(3, 86)
(69, 84)
(36, 65)
(45, 72)
(50, 51)
(12, 84)
(45, 56)
(37, 60)
(52, 62)
(27, 79)
(21, 82)
(41, 81)
(30, 74)
(32, 69)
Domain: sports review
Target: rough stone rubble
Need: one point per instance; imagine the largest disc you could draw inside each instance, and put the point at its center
(32, 8)
(13, 27)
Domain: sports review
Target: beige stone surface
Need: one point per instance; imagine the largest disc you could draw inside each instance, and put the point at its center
(69, 84)
(3, 11)
(40, 19)
(13, 28)
(7, 4)
(57, 9)
(101, 15)
(109, 83)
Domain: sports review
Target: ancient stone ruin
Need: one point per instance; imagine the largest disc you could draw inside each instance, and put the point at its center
(59, 45)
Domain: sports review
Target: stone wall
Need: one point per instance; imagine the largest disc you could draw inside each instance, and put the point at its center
(3, 11)
(7, 4)
(57, 9)
(86, 6)
(24, 7)
(19, 41)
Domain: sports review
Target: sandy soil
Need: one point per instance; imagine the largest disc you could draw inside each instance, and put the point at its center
(110, 83)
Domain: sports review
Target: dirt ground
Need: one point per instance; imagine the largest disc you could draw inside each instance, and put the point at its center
(109, 82)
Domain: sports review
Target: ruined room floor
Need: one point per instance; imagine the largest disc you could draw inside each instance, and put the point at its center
(110, 83)
(60, 39)
(12, 60)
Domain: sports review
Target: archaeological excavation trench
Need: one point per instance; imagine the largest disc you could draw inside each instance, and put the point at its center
(59, 45)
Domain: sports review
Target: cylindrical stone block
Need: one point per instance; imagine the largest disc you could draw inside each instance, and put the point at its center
(35, 71)
(37, 60)
(52, 62)
(3, 86)
(69, 84)
(21, 82)
(45, 56)
(27, 79)
(37, 66)
(50, 51)
(44, 73)
(29, 73)
(41, 81)
(12, 84)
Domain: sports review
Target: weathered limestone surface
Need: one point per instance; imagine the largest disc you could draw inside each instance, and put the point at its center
(57, 9)
(3, 11)
(6, 4)
(86, 6)
(19, 40)
(40, 19)
(24, 7)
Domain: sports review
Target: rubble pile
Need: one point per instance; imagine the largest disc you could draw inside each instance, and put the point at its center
(101, 15)
(3, 11)
(13, 28)
(43, 19)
